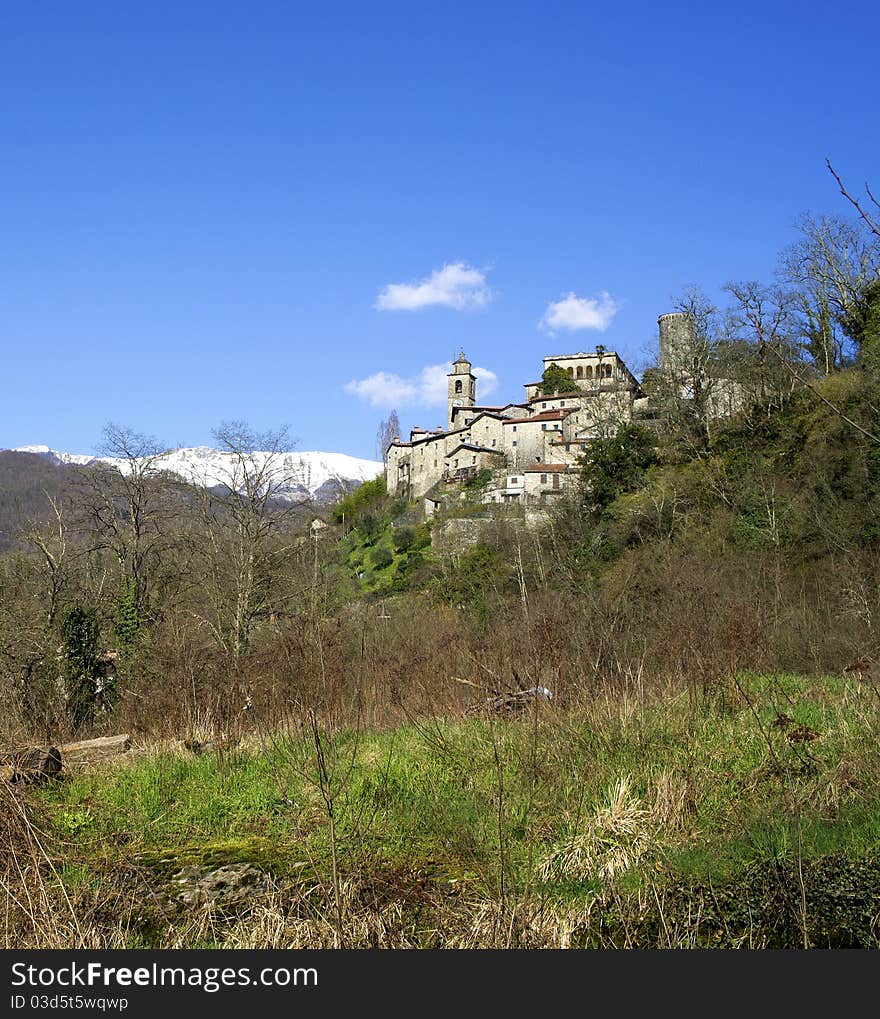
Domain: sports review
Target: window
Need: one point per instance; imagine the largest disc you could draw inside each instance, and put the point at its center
(588, 374)
(475, 460)
(570, 372)
(580, 372)
(544, 406)
(493, 442)
(458, 385)
(514, 428)
(514, 442)
(562, 402)
(556, 481)
(543, 426)
(543, 479)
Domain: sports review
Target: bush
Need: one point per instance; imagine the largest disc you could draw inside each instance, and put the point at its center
(403, 538)
(381, 557)
(82, 669)
(615, 466)
(479, 481)
(371, 495)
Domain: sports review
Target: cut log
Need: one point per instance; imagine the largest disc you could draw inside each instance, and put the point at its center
(36, 764)
(88, 750)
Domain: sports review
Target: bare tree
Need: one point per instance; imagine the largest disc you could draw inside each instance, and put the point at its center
(242, 518)
(681, 387)
(761, 316)
(826, 272)
(388, 429)
(872, 224)
(51, 541)
(127, 507)
(763, 311)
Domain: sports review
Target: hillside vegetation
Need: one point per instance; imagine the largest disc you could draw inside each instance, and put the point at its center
(323, 751)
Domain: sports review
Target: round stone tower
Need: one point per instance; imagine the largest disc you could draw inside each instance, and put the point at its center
(676, 341)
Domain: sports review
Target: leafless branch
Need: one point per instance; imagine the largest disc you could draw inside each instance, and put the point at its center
(872, 226)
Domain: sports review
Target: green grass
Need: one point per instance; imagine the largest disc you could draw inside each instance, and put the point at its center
(713, 789)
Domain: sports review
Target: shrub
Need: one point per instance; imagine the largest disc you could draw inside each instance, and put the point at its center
(369, 496)
(381, 557)
(403, 538)
(615, 466)
(82, 671)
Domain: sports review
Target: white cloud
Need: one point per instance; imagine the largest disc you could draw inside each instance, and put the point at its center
(457, 285)
(427, 389)
(487, 381)
(383, 390)
(572, 313)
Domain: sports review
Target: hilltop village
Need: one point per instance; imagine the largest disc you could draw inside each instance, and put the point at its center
(530, 449)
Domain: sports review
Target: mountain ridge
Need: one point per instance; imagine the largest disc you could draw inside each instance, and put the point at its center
(301, 475)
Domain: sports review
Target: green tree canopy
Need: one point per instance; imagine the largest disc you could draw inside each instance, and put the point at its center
(862, 325)
(613, 466)
(555, 380)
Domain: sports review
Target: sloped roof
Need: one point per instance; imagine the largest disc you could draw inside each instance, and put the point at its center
(471, 447)
(545, 415)
(539, 468)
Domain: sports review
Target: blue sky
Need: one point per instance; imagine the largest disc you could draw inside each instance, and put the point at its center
(215, 211)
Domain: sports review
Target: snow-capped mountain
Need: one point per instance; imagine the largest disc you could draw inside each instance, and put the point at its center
(298, 475)
(51, 454)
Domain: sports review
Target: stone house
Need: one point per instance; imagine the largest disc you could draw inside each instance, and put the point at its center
(547, 480)
(466, 460)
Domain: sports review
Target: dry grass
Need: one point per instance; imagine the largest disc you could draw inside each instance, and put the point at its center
(613, 839)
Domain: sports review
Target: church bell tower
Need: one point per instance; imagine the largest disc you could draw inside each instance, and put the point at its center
(462, 388)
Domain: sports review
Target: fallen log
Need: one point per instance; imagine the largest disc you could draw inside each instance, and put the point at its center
(35, 764)
(88, 750)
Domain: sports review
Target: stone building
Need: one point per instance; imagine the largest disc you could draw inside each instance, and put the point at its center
(531, 448)
(543, 429)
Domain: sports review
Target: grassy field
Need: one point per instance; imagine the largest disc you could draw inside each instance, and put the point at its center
(751, 819)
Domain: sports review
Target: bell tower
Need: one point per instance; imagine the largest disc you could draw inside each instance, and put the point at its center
(462, 387)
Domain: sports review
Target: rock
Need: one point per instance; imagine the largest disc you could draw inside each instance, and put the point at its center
(35, 764)
(88, 750)
(233, 885)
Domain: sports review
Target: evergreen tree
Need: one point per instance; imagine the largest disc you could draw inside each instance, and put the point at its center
(128, 616)
(613, 466)
(82, 673)
(555, 380)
